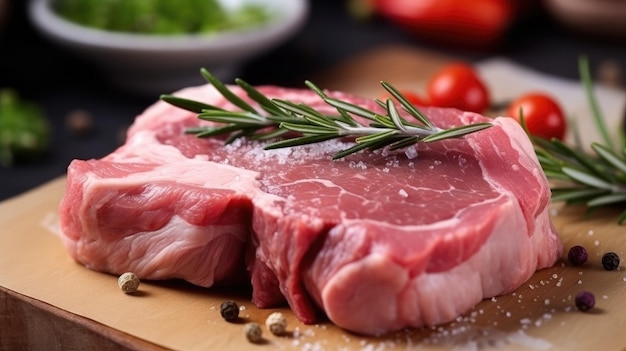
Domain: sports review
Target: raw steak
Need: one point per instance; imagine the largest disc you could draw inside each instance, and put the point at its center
(376, 241)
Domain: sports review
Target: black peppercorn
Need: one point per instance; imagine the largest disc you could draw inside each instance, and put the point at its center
(585, 301)
(577, 255)
(229, 310)
(610, 261)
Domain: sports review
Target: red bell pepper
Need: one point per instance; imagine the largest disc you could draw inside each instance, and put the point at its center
(460, 23)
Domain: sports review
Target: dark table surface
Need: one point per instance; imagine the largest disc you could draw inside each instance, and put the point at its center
(62, 83)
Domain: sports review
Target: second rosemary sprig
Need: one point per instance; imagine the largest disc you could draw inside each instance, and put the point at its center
(596, 180)
(287, 124)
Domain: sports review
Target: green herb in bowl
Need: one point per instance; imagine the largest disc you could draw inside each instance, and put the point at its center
(169, 17)
(24, 130)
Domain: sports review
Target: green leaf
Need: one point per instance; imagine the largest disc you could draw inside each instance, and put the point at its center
(308, 129)
(242, 118)
(376, 137)
(297, 109)
(569, 194)
(397, 120)
(343, 115)
(586, 178)
(605, 200)
(287, 118)
(351, 108)
(371, 144)
(323, 121)
(609, 156)
(585, 74)
(405, 142)
(407, 105)
(266, 104)
(189, 105)
(583, 159)
(226, 93)
(210, 132)
(557, 175)
(349, 151)
(456, 132)
(382, 122)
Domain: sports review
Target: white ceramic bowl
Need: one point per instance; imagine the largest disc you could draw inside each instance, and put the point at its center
(154, 64)
(603, 18)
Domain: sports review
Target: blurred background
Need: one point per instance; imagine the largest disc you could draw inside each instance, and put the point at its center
(87, 115)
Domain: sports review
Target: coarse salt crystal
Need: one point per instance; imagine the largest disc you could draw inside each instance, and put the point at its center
(411, 153)
(403, 193)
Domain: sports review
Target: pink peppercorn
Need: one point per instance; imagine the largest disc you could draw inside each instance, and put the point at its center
(585, 301)
(577, 255)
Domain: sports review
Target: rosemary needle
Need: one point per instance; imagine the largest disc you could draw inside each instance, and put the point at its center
(276, 120)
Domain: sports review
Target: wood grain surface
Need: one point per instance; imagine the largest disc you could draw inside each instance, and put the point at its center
(41, 286)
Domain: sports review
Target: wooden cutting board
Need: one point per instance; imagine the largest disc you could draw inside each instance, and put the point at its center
(40, 286)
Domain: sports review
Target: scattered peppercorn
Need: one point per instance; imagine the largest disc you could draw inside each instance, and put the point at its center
(128, 282)
(253, 332)
(577, 255)
(229, 310)
(276, 323)
(585, 301)
(610, 261)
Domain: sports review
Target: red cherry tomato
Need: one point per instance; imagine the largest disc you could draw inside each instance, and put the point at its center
(542, 114)
(458, 85)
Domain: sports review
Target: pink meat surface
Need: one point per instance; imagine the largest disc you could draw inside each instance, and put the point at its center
(376, 242)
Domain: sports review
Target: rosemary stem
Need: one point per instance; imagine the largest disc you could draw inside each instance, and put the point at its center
(598, 119)
(409, 131)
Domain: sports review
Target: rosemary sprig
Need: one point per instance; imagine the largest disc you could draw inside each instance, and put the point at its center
(286, 124)
(597, 179)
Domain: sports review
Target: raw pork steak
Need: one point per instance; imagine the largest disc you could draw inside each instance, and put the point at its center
(376, 242)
